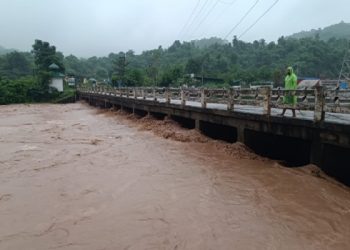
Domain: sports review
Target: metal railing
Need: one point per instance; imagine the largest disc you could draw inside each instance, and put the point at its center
(318, 100)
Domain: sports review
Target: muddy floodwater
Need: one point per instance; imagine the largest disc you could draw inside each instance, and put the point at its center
(75, 177)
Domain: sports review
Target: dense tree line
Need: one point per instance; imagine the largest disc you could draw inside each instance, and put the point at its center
(232, 61)
(235, 61)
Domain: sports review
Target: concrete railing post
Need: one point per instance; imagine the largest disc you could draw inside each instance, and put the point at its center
(143, 94)
(319, 113)
(203, 101)
(135, 93)
(154, 94)
(266, 92)
(167, 95)
(127, 92)
(183, 97)
(231, 101)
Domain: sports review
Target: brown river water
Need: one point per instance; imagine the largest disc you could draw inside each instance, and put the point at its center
(75, 177)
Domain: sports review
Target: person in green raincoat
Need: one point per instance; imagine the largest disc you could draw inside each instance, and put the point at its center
(290, 83)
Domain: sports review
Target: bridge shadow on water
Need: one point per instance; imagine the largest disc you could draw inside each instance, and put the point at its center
(219, 132)
(290, 152)
(336, 162)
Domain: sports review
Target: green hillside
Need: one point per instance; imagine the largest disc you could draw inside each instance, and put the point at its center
(4, 51)
(340, 30)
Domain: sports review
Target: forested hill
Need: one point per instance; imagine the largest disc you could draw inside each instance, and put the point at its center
(231, 61)
(24, 75)
(207, 42)
(4, 51)
(340, 30)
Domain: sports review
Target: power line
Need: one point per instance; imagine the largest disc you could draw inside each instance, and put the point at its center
(206, 16)
(221, 14)
(196, 16)
(345, 68)
(224, 2)
(257, 20)
(242, 19)
(190, 17)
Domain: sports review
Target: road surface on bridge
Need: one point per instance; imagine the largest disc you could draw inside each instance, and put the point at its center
(74, 177)
(300, 114)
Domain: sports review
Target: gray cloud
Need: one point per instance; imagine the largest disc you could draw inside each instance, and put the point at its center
(98, 27)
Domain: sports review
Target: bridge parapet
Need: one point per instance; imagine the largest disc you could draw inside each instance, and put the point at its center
(318, 100)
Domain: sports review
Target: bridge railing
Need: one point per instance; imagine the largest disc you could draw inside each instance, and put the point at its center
(318, 100)
(337, 101)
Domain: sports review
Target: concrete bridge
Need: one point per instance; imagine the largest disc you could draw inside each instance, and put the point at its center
(320, 134)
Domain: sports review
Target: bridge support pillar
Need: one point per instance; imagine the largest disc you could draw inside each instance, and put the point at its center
(197, 124)
(240, 134)
(316, 151)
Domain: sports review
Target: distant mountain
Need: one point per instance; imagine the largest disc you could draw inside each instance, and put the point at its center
(4, 51)
(207, 42)
(340, 30)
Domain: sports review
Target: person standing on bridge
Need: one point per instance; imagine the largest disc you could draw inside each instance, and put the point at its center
(290, 83)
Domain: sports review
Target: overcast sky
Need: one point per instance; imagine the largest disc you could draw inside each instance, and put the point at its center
(97, 27)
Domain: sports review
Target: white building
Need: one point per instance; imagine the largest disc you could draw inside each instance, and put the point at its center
(56, 78)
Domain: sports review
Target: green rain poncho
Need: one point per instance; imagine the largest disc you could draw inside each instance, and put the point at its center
(290, 83)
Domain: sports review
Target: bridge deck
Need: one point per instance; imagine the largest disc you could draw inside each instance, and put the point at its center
(300, 114)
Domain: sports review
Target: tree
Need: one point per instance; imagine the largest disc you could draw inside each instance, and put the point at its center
(153, 65)
(171, 75)
(135, 77)
(15, 65)
(193, 66)
(120, 67)
(44, 56)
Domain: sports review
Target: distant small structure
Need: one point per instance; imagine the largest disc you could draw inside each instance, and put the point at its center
(207, 79)
(257, 85)
(92, 81)
(311, 83)
(308, 83)
(329, 84)
(56, 77)
(71, 81)
(344, 85)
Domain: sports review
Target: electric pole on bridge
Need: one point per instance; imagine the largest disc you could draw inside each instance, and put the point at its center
(345, 68)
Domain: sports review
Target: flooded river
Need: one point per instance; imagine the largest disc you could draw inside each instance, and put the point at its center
(73, 177)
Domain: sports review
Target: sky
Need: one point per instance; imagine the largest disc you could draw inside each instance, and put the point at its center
(88, 28)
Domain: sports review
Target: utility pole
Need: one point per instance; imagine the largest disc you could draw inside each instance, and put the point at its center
(345, 68)
(202, 74)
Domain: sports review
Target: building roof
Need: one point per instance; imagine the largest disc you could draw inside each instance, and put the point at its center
(308, 83)
(54, 66)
